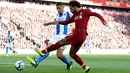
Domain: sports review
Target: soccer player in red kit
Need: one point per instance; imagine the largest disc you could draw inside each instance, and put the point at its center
(78, 36)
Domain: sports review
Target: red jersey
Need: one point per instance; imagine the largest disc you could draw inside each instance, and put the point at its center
(81, 20)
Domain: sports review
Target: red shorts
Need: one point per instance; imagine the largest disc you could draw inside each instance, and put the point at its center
(76, 39)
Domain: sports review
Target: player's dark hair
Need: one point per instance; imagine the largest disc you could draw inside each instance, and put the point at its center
(59, 3)
(74, 4)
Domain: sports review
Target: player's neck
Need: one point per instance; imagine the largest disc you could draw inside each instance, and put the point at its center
(78, 9)
(61, 12)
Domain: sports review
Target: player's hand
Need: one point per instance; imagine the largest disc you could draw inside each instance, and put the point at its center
(51, 23)
(45, 24)
(105, 23)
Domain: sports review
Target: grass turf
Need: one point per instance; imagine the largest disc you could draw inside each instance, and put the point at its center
(97, 63)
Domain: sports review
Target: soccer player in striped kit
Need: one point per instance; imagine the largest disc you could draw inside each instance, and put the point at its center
(61, 32)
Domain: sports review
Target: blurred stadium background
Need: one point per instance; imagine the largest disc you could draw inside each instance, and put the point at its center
(31, 14)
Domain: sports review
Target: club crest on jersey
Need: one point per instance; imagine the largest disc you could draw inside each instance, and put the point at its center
(78, 16)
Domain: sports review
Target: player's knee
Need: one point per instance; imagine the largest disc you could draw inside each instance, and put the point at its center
(63, 42)
(59, 55)
(71, 54)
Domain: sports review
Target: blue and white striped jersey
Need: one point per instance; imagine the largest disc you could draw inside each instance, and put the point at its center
(62, 29)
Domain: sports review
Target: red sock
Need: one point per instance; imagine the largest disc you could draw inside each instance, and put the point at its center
(52, 47)
(79, 61)
(84, 66)
(44, 51)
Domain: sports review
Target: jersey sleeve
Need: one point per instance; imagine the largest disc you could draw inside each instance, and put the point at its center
(56, 17)
(67, 21)
(70, 14)
(89, 13)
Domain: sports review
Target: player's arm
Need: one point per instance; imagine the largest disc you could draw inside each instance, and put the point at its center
(67, 21)
(51, 23)
(101, 18)
(60, 22)
(89, 13)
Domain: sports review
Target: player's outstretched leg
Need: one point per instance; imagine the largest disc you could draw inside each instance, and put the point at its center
(32, 61)
(38, 51)
(41, 58)
(52, 48)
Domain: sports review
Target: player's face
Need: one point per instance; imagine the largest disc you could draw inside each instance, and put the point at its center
(72, 9)
(60, 8)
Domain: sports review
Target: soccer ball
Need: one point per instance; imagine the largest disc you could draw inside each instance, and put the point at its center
(19, 65)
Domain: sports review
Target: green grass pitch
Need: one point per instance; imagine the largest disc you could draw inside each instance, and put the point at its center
(97, 63)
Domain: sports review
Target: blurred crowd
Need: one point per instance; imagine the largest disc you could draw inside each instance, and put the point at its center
(125, 1)
(31, 17)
